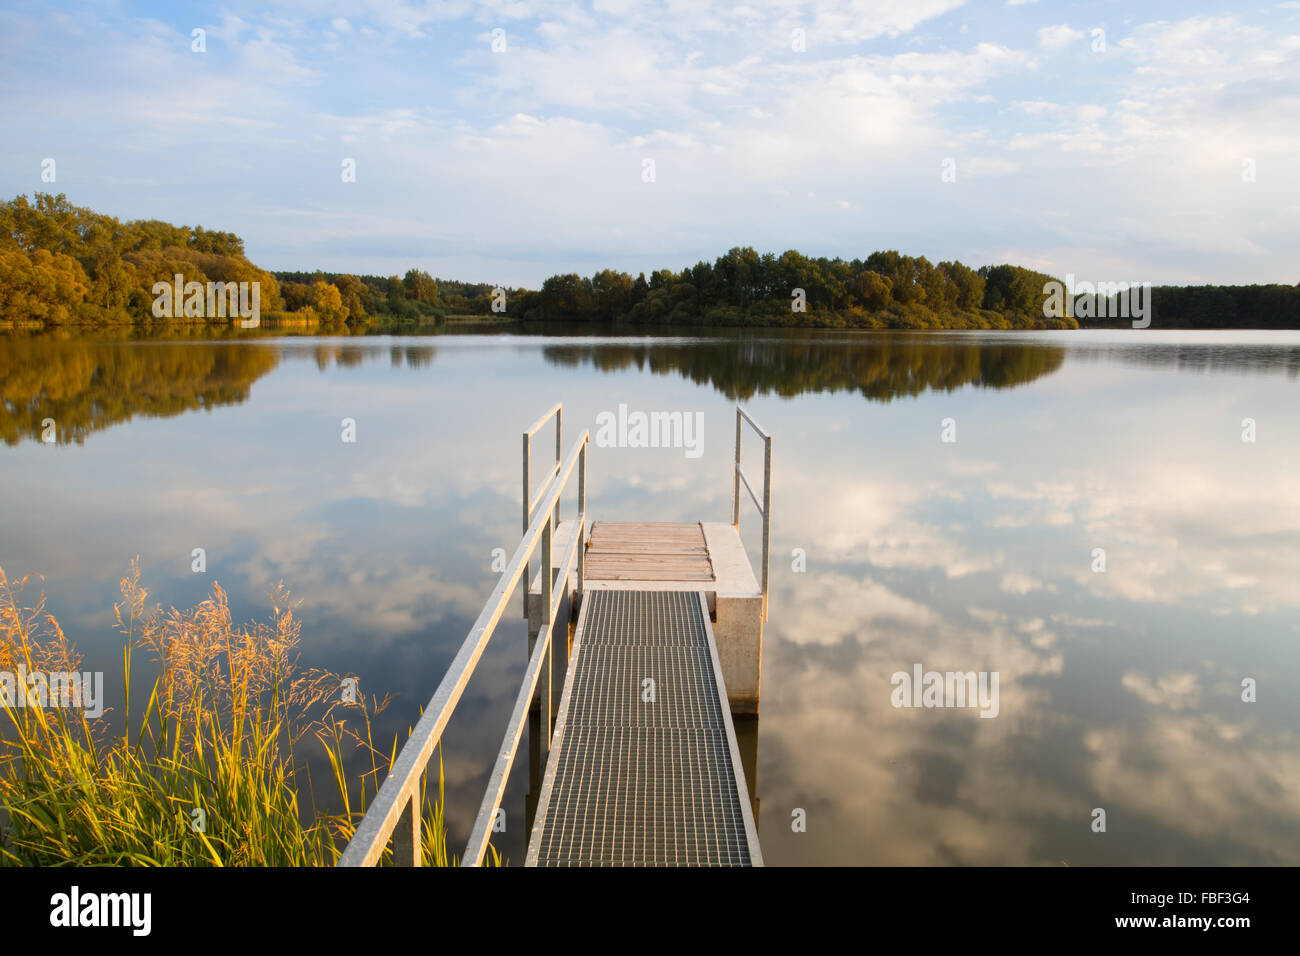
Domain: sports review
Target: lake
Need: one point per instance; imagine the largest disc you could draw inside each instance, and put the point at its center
(940, 500)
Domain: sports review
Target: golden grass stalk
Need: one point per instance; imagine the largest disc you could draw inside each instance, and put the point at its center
(208, 772)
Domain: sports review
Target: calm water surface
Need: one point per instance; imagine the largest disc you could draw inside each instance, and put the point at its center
(1119, 690)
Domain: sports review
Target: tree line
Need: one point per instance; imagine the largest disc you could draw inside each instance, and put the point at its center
(1274, 306)
(414, 296)
(886, 290)
(63, 264)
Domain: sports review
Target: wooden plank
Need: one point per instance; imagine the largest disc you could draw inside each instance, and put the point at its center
(633, 555)
(684, 542)
(645, 524)
(691, 533)
(598, 566)
(688, 559)
(616, 544)
(642, 575)
(651, 549)
(648, 568)
(627, 529)
(655, 559)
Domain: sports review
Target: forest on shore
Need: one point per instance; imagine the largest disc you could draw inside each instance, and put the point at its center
(62, 264)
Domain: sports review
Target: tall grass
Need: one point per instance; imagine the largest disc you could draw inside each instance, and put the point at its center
(209, 771)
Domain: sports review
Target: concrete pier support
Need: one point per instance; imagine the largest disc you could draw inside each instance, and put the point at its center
(737, 608)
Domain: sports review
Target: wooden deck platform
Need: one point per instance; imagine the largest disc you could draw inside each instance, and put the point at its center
(648, 551)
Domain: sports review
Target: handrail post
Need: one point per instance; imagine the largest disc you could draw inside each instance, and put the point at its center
(582, 517)
(406, 837)
(557, 412)
(528, 580)
(765, 509)
(767, 513)
(545, 634)
(559, 454)
(735, 478)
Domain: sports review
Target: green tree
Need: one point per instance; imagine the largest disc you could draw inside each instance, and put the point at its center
(419, 285)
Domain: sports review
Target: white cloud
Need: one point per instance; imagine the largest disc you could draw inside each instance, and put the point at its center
(1013, 582)
(857, 20)
(1059, 36)
(1176, 691)
(1036, 107)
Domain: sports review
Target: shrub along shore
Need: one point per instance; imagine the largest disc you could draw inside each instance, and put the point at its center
(209, 771)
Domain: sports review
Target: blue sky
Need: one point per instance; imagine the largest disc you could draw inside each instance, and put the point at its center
(1114, 161)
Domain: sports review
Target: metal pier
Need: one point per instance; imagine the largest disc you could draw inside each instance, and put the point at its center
(644, 767)
(638, 764)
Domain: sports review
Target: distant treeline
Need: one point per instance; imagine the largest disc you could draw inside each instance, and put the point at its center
(412, 296)
(1218, 307)
(885, 290)
(62, 264)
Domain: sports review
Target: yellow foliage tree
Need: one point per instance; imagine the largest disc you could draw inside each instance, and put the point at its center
(328, 302)
(39, 285)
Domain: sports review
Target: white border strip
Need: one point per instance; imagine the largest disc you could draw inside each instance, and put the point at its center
(737, 768)
(552, 757)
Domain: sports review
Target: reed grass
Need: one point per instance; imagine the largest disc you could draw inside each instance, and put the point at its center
(222, 731)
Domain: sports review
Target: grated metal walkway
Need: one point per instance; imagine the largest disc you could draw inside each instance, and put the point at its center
(644, 774)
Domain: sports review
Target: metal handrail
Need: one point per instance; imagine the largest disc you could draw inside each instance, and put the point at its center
(482, 830)
(739, 476)
(398, 799)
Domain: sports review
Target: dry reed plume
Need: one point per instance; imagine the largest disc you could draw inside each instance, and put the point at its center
(222, 733)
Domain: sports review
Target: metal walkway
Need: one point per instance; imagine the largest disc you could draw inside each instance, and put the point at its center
(644, 768)
(641, 759)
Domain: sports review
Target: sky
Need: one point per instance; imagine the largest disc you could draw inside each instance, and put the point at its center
(502, 142)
